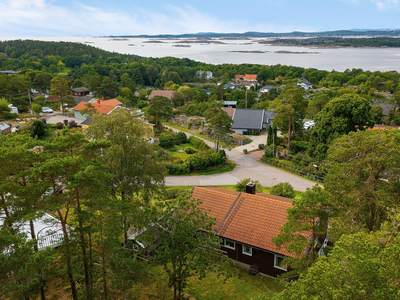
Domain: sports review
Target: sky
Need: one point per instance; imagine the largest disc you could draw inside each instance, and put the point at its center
(74, 18)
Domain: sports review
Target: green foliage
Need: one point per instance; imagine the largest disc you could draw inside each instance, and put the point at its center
(4, 106)
(299, 146)
(38, 129)
(270, 136)
(241, 185)
(261, 146)
(187, 243)
(219, 123)
(245, 151)
(306, 228)
(189, 124)
(370, 261)
(340, 116)
(36, 108)
(198, 143)
(362, 180)
(167, 140)
(160, 109)
(283, 189)
(180, 138)
(189, 150)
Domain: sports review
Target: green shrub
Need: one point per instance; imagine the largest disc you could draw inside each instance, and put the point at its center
(38, 129)
(8, 116)
(198, 143)
(167, 140)
(189, 150)
(245, 151)
(298, 146)
(255, 132)
(241, 185)
(180, 138)
(261, 146)
(178, 169)
(198, 123)
(189, 124)
(283, 189)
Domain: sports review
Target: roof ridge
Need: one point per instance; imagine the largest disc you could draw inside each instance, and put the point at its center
(232, 215)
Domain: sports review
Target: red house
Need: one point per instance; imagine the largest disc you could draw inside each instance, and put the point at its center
(80, 91)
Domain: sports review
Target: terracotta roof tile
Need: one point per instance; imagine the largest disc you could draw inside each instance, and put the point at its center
(168, 94)
(250, 77)
(253, 220)
(104, 107)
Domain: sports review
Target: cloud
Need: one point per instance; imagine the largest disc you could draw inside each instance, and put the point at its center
(385, 4)
(45, 18)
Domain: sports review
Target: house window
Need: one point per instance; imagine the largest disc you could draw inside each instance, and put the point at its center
(247, 250)
(229, 244)
(278, 262)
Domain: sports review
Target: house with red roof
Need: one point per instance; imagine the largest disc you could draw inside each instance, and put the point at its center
(250, 77)
(163, 93)
(101, 106)
(247, 222)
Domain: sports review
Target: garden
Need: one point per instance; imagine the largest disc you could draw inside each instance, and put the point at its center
(191, 155)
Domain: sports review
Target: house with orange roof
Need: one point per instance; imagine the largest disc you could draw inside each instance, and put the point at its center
(250, 77)
(247, 223)
(101, 106)
(163, 93)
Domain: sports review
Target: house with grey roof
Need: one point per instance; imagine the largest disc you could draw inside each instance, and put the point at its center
(5, 128)
(230, 104)
(248, 120)
(385, 107)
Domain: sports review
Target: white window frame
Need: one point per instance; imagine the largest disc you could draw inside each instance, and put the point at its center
(247, 253)
(230, 247)
(276, 265)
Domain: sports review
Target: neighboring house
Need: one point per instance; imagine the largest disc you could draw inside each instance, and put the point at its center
(229, 85)
(305, 84)
(265, 89)
(207, 75)
(163, 93)
(250, 77)
(247, 223)
(80, 91)
(239, 76)
(230, 104)
(47, 229)
(248, 120)
(248, 85)
(229, 110)
(5, 128)
(103, 107)
(8, 72)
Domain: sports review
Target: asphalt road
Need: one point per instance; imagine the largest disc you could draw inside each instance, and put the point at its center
(246, 167)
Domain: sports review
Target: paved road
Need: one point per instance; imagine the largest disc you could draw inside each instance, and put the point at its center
(246, 167)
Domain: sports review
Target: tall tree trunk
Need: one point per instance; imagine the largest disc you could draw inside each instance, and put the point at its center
(33, 237)
(68, 253)
(103, 255)
(83, 247)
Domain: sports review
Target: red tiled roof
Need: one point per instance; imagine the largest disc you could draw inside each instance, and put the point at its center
(163, 93)
(104, 107)
(252, 219)
(238, 76)
(229, 110)
(250, 77)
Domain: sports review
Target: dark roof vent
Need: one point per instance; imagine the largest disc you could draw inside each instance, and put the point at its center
(250, 188)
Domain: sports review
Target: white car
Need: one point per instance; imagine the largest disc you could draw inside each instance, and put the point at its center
(309, 124)
(47, 110)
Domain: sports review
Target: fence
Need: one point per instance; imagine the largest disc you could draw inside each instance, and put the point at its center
(293, 170)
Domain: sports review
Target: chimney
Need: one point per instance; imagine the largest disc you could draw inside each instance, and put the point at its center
(98, 101)
(250, 188)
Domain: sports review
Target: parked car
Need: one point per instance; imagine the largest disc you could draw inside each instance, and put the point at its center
(47, 110)
(50, 191)
(308, 124)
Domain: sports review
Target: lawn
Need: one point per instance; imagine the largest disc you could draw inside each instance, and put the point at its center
(240, 286)
(265, 189)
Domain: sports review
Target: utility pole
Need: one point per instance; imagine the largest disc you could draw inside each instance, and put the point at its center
(30, 102)
(246, 98)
